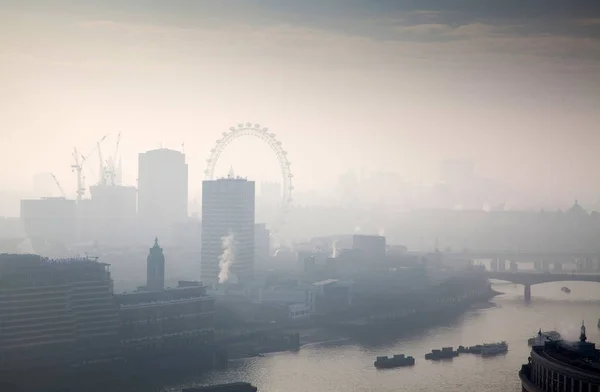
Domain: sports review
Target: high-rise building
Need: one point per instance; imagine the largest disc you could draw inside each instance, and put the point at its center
(155, 268)
(262, 245)
(109, 216)
(227, 222)
(162, 190)
(55, 312)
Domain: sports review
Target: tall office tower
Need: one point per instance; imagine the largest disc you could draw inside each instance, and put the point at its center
(227, 230)
(262, 245)
(55, 312)
(155, 268)
(162, 190)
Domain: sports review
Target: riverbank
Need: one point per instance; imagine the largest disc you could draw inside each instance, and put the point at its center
(310, 336)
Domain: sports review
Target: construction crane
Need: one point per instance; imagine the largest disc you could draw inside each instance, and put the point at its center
(77, 166)
(101, 168)
(111, 165)
(60, 188)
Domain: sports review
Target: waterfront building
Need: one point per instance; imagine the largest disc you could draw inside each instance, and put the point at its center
(175, 321)
(162, 190)
(562, 366)
(155, 268)
(330, 296)
(228, 210)
(55, 312)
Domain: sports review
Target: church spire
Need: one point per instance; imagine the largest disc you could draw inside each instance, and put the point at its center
(231, 174)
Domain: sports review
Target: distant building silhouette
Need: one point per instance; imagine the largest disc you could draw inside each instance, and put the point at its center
(50, 218)
(228, 207)
(110, 215)
(155, 268)
(162, 189)
(262, 244)
(373, 247)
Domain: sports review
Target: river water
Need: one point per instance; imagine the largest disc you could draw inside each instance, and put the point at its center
(348, 366)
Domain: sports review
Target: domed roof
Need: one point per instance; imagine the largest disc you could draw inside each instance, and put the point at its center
(577, 209)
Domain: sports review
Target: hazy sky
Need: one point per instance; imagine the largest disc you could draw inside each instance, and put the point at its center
(513, 85)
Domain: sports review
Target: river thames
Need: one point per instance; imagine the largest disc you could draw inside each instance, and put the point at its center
(348, 366)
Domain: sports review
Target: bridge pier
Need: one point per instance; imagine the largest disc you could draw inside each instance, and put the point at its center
(527, 293)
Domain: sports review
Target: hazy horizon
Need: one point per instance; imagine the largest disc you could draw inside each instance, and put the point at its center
(391, 86)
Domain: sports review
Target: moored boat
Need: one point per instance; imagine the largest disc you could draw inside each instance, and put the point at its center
(444, 353)
(494, 349)
(399, 360)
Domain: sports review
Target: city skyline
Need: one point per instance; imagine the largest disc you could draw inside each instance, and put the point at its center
(391, 85)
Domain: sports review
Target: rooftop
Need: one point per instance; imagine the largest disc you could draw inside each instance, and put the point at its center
(18, 260)
(581, 355)
(325, 282)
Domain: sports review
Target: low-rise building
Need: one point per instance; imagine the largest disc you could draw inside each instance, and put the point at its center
(166, 320)
(329, 296)
(299, 311)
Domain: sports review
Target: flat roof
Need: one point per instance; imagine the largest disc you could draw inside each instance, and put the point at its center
(325, 282)
(569, 354)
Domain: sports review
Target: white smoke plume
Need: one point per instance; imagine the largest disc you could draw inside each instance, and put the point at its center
(334, 250)
(227, 258)
(382, 232)
(357, 230)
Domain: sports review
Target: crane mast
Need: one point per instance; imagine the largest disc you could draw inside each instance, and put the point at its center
(102, 171)
(112, 177)
(77, 166)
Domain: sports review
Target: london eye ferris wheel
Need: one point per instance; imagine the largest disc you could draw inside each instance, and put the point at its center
(255, 130)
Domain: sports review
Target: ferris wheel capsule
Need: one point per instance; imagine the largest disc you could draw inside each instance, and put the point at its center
(240, 125)
(232, 129)
(248, 124)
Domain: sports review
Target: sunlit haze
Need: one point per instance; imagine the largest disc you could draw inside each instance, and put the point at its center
(346, 85)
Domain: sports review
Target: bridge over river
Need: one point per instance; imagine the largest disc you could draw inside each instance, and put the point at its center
(528, 279)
